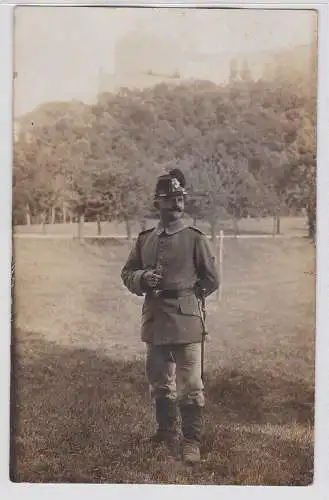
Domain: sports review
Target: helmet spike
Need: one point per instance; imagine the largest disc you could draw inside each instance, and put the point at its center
(176, 173)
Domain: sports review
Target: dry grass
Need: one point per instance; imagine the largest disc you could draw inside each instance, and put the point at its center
(81, 411)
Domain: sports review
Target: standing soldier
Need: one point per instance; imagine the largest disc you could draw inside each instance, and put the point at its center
(172, 264)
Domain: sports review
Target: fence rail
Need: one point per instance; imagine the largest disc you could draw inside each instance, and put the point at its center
(123, 237)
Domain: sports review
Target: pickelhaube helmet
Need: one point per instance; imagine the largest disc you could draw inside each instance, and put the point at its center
(171, 184)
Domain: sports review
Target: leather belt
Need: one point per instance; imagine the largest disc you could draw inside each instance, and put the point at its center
(171, 294)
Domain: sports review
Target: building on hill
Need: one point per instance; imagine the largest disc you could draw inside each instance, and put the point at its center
(139, 52)
(143, 60)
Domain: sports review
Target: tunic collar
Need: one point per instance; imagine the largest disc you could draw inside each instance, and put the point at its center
(173, 228)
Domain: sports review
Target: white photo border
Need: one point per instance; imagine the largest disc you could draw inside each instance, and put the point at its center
(320, 487)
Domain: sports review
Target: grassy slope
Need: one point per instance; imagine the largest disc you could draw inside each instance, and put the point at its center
(82, 411)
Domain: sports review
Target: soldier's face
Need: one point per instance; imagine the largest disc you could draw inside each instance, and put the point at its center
(172, 208)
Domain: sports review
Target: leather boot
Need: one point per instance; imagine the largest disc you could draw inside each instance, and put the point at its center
(192, 427)
(166, 417)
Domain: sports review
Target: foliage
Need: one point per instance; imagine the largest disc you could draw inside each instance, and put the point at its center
(246, 148)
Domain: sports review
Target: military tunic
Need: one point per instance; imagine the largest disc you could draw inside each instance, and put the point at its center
(182, 255)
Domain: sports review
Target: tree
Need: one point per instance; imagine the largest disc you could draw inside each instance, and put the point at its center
(246, 148)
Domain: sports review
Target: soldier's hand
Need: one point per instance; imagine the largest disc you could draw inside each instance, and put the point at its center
(151, 279)
(199, 290)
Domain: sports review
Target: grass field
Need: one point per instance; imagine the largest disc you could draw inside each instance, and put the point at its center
(81, 410)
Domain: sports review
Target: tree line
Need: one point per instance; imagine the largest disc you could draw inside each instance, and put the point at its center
(247, 148)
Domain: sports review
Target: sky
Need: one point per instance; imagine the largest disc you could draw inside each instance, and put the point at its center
(58, 51)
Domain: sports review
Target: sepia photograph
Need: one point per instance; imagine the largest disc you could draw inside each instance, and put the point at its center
(164, 228)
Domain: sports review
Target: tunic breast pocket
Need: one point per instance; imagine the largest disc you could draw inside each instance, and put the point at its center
(188, 305)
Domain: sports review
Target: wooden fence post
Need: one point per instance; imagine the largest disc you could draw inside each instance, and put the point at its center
(220, 254)
(80, 226)
(43, 221)
(99, 226)
(28, 214)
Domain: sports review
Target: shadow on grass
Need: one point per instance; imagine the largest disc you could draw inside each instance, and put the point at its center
(78, 416)
(260, 398)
